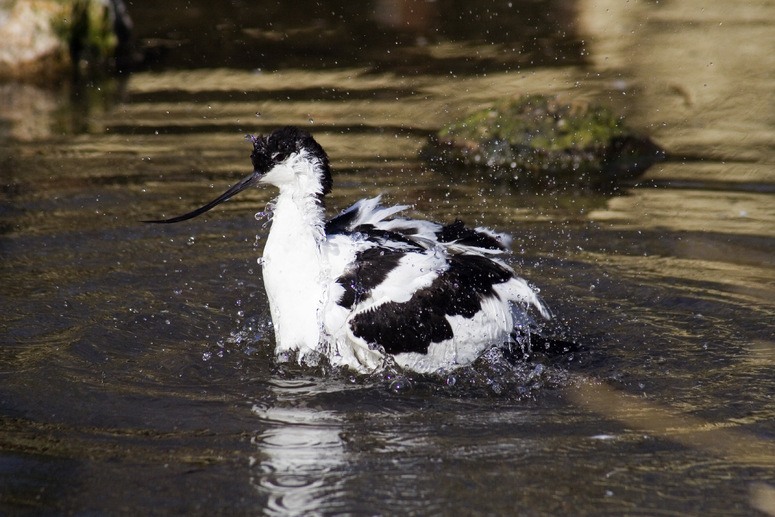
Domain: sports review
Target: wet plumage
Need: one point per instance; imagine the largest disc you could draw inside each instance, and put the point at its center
(368, 283)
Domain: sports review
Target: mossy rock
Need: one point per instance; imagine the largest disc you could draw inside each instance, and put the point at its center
(544, 142)
(44, 41)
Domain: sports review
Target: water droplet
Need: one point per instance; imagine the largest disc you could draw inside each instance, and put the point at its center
(401, 385)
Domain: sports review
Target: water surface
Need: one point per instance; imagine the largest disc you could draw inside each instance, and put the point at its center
(136, 360)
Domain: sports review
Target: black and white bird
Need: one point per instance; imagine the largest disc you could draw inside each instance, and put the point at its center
(364, 285)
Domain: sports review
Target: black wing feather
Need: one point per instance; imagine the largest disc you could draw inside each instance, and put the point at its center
(413, 325)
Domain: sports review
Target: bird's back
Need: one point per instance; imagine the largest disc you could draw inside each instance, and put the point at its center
(432, 296)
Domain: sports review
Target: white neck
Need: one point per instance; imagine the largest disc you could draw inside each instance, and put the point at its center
(294, 271)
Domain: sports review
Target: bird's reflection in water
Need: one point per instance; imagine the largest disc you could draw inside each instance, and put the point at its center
(300, 461)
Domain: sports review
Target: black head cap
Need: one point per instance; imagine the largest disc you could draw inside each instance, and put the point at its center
(274, 148)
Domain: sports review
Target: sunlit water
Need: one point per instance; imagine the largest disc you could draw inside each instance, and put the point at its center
(136, 365)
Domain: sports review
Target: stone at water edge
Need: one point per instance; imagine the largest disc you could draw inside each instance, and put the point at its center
(544, 142)
(44, 41)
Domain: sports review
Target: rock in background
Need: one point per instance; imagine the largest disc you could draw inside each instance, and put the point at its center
(544, 142)
(45, 41)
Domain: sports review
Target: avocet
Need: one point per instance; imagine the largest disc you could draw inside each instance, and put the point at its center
(367, 284)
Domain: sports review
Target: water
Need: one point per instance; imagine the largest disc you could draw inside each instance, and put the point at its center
(136, 360)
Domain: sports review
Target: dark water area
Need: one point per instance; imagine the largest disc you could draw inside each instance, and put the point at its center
(136, 362)
(382, 35)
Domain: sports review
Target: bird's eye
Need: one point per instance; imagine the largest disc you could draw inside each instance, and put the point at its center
(278, 157)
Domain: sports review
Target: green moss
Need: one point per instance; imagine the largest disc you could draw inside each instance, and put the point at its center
(539, 122)
(88, 32)
(544, 140)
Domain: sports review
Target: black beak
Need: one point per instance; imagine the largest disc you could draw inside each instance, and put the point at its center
(236, 189)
